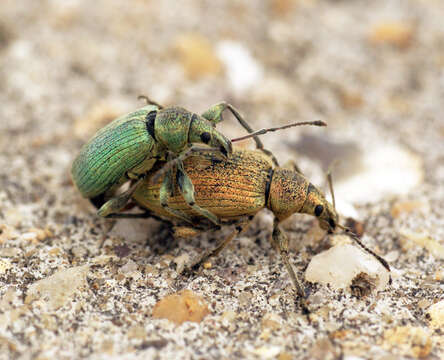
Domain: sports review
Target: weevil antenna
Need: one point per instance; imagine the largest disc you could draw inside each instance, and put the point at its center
(371, 252)
(266, 130)
(149, 101)
(330, 182)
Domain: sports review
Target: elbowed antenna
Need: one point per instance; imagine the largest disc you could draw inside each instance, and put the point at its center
(371, 252)
(266, 130)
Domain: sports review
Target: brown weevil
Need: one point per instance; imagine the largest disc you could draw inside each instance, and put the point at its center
(235, 189)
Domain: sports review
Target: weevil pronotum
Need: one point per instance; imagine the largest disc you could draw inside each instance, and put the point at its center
(128, 147)
(238, 187)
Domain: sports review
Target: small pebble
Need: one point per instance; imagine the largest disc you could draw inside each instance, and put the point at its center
(180, 307)
(410, 341)
(329, 267)
(394, 33)
(242, 69)
(58, 289)
(436, 315)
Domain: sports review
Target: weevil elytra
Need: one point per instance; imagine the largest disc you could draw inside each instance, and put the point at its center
(238, 187)
(129, 146)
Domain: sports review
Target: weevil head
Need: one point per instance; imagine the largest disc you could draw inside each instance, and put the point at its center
(316, 204)
(290, 192)
(203, 131)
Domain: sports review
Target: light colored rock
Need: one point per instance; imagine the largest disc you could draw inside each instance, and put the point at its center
(267, 351)
(58, 288)
(4, 265)
(388, 170)
(409, 340)
(339, 265)
(409, 239)
(436, 314)
(242, 69)
(180, 307)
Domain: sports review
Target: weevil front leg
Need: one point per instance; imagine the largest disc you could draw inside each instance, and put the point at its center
(291, 165)
(280, 240)
(182, 156)
(186, 188)
(214, 114)
(166, 191)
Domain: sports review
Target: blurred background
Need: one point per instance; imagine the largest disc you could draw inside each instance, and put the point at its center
(373, 70)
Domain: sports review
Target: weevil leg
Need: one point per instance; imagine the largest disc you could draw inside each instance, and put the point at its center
(240, 228)
(291, 165)
(280, 240)
(149, 101)
(186, 188)
(214, 114)
(174, 162)
(117, 203)
(165, 191)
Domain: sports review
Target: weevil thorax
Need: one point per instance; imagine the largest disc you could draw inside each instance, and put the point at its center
(290, 192)
(287, 193)
(203, 131)
(171, 127)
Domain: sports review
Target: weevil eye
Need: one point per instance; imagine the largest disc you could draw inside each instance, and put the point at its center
(318, 210)
(205, 137)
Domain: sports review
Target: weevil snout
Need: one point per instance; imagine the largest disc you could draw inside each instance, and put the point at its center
(316, 204)
(203, 131)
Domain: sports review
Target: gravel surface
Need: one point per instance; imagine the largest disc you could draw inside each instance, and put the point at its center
(73, 285)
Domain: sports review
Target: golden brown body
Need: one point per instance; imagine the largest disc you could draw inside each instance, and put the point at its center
(230, 189)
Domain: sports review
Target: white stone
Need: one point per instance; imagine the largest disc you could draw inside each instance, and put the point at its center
(243, 71)
(56, 290)
(341, 263)
(388, 170)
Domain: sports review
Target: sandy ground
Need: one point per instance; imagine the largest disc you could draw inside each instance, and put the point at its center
(373, 70)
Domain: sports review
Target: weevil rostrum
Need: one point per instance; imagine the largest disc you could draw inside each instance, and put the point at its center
(128, 147)
(238, 187)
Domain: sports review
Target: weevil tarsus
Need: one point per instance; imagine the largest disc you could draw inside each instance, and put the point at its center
(149, 101)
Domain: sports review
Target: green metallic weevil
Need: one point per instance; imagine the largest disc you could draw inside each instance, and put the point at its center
(128, 147)
(237, 188)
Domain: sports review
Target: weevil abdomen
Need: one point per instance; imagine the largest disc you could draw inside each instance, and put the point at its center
(230, 189)
(105, 159)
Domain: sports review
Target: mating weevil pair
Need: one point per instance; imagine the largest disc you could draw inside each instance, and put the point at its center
(189, 187)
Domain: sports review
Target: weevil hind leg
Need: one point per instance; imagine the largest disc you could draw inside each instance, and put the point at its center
(118, 202)
(214, 114)
(280, 240)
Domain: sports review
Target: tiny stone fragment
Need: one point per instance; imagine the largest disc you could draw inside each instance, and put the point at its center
(410, 340)
(410, 238)
(4, 265)
(197, 56)
(436, 315)
(405, 207)
(58, 288)
(329, 267)
(180, 307)
(397, 34)
(362, 285)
